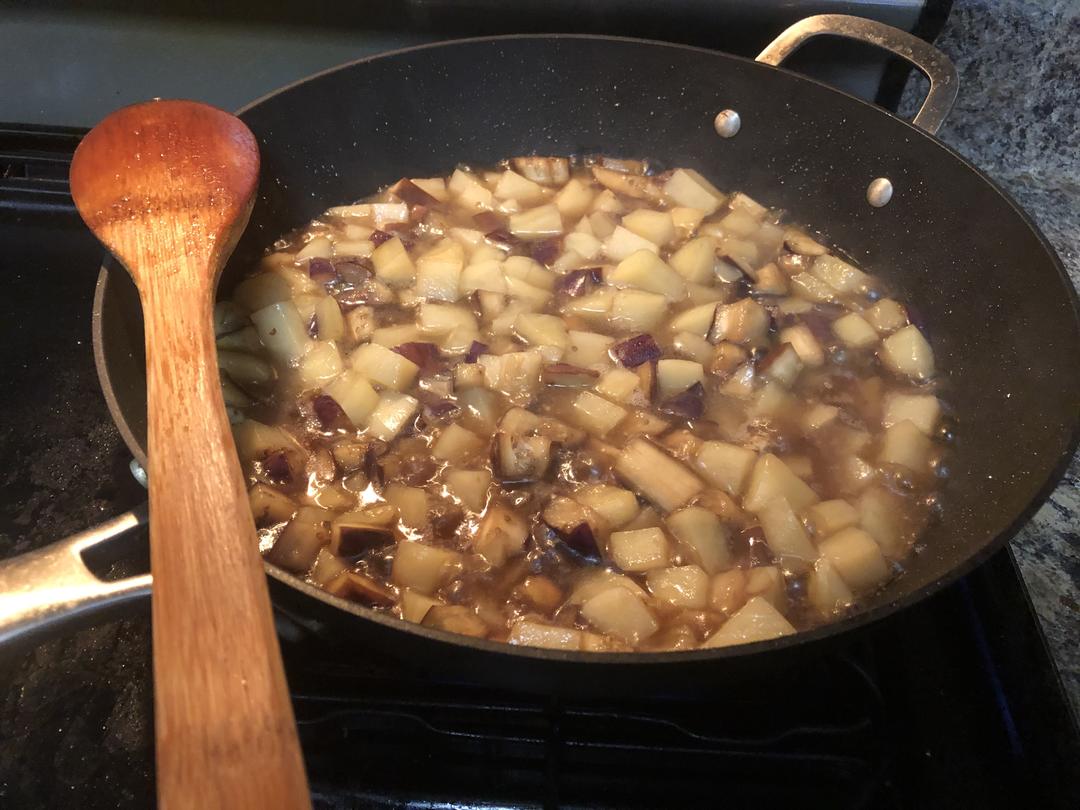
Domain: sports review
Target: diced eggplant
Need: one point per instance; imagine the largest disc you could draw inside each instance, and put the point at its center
(565, 375)
(269, 505)
(301, 539)
(548, 171)
(455, 619)
(692, 346)
(745, 322)
(632, 185)
(726, 359)
(595, 414)
(423, 568)
(618, 385)
(575, 525)
(634, 351)
(550, 637)
(501, 535)
(521, 458)
(688, 404)
(352, 536)
(615, 505)
(674, 376)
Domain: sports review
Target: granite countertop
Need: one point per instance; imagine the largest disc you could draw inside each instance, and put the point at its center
(1018, 119)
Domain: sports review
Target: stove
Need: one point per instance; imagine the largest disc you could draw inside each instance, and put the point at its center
(952, 703)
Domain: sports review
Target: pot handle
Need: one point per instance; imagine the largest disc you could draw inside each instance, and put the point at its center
(52, 585)
(933, 63)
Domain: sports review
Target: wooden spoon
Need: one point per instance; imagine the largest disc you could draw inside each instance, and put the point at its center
(168, 186)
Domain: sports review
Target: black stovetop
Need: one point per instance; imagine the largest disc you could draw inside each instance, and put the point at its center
(952, 703)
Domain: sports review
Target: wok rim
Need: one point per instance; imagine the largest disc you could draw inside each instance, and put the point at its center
(857, 620)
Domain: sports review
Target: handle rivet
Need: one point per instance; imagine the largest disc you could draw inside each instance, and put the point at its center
(727, 123)
(879, 192)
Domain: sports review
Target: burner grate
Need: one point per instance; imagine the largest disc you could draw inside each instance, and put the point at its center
(372, 743)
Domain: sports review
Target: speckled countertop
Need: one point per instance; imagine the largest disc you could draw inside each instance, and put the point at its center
(1018, 118)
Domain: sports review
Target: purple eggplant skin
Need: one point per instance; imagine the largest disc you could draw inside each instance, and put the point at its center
(688, 404)
(582, 540)
(634, 351)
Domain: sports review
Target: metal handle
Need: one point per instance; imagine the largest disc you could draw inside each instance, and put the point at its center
(933, 63)
(43, 588)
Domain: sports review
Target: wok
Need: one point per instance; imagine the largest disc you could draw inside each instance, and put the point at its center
(1001, 313)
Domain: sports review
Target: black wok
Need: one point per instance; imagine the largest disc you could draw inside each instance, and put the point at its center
(1000, 311)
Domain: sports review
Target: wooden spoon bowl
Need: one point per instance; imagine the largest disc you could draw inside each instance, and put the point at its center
(168, 186)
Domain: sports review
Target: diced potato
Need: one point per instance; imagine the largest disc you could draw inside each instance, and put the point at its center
(441, 319)
(818, 416)
(282, 331)
(770, 280)
(480, 410)
(423, 568)
(811, 288)
(688, 188)
(637, 311)
(725, 465)
(772, 479)
(435, 186)
(354, 395)
(617, 506)
(686, 220)
(826, 590)
(588, 349)
(905, 444)
(512, 186)
(456, 444)
(501, 535)
(655, 226)
(638, 550)
(329, 322)
(623, 243)
(391, 336)
(907, 352)
(602, 222)
(745, 322)
(584, 245)
(805, 344)
(438, 272)
(696, 319)
(886, 316)
(644, 270)
(684, 586)
(838, 274)
(391, 414)
(782, 365)
(383, 366)
(542, 330)
(319, 247)
(704, 535)
(656, 476)
(740, 223)
(767, 582)
(574, 199)
(300, 541)
(516, 374)
(856, 558)
(596, 414)
(786, 536)
(261, 291)
(882, 513)
(540, 592)
(359, 324)
(269, 505)
(675, 376)
(922, 410)
(530, 293)
(469, 192)
(757, 620)
(415, 605)
(537, 223)
(692, 346)
(550, 637)
(617, 612)
(486, 275)
(320, 364)
(327, 567)
(829, 517)
(618, 384)
(392, 264)
(854, 331)
(727, 591)
(245, 369)
(411, 503)
(469, 486)
(595, 306)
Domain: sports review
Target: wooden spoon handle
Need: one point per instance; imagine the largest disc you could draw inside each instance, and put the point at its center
(226, 736)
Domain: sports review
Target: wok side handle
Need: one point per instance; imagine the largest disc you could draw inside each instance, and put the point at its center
(52, 585)
(935, 65)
